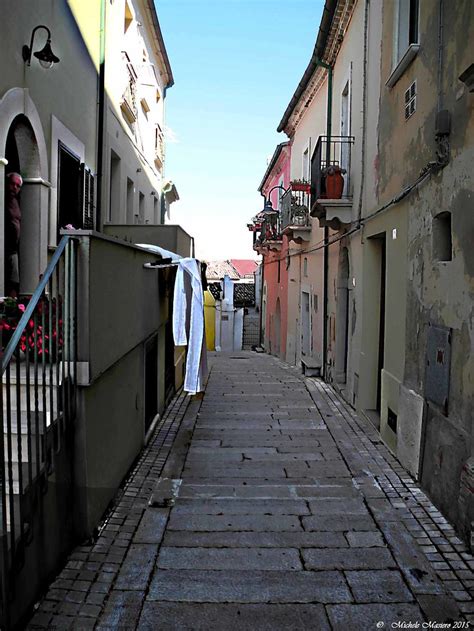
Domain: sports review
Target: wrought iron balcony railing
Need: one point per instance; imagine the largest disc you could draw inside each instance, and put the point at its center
(129, 97)
(336, 153)
(295, 205)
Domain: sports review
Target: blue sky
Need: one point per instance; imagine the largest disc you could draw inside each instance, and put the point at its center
(236, 65)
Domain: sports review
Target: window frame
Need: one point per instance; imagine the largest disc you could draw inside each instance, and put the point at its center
(401, 59)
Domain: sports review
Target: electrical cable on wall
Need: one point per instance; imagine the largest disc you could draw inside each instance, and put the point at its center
(425, 173)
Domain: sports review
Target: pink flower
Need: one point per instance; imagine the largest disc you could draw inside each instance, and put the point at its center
(21, 307)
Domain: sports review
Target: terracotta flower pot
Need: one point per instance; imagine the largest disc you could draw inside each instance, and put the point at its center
(334, 185)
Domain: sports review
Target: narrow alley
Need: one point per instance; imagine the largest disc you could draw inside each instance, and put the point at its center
(267, 504)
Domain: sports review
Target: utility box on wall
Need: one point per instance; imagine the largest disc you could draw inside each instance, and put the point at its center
(438, 366)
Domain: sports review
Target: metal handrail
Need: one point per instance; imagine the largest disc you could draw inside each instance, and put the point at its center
(35, 298)
(37, 406)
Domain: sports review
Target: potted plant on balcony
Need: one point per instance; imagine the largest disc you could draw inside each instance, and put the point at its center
(299, 213)
(334, 181)
(300, 185)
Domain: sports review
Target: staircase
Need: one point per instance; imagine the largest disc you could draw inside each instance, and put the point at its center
(37, 406)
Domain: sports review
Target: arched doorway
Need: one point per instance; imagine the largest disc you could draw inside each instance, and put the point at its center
(342, 316)
(23, 150)
(277, 328)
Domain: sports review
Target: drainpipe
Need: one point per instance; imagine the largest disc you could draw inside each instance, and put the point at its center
(326, 229)
(364, 113)
(261, 289)
(101, 112)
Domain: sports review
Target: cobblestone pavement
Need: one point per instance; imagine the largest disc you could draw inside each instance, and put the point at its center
(289, 513)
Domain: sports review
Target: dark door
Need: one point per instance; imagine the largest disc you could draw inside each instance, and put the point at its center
(383, 282)
(151, 381)
(70, 209)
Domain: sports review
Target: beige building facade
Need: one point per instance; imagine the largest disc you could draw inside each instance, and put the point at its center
(137, 74)
(87, 136)
(384, 268)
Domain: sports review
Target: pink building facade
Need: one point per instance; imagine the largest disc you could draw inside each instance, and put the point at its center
(274, 250)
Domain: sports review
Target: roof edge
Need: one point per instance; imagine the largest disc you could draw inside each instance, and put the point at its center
(323, 33)
(161, 43)
(273, 161)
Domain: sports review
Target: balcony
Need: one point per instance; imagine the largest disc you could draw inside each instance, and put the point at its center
(268, 225)
(128, 103)
(295, 219)
(331, 185)
(159, 147)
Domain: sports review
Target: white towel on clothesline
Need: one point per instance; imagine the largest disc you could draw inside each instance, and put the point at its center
(188, 324)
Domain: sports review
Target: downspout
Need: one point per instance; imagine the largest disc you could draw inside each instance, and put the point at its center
(364, 113)
(261, 289)
(326, 229)
(100, 129)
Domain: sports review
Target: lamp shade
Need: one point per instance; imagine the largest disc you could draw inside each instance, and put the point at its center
(46, 56)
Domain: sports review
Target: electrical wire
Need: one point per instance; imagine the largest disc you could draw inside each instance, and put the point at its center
(426, 172)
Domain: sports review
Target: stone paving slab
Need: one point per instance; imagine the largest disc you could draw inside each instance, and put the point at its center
(255, 539)
(236, 523)
(249, 586)
(229, 559)
(339, 523)
(352, 559)
(289, 513)
(367, 617)
(237, 506)
(378, 586)
(137, 567)
(206, 617)
(246, 470)
(334, 506)
(152, 526)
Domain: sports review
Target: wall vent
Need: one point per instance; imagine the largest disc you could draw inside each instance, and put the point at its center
(392, 420)
(410, 101)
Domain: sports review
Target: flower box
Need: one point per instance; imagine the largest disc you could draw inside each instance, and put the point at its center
(298, 185)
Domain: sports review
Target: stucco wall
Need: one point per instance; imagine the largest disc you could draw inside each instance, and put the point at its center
(438, 293)
(169, 237)
(121, 306)
(275, 262)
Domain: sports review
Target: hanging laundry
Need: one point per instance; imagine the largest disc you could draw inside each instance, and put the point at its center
(188, 322)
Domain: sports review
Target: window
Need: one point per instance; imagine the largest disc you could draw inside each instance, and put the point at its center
(405, 38)
(130, 199)
(407, 27)
(128, 18)
(69, 198)
(279, 271)
(156, 210)
(305, 267)
(114, 192)
(141, 208)
(410, 100)
(442, 237)
(305, 170)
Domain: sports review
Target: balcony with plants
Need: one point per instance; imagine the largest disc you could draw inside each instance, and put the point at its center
(331, 185)
(266, 230)
(295, 219)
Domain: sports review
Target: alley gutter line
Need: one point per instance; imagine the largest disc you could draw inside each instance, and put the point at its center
(336, 404)
(173, 468)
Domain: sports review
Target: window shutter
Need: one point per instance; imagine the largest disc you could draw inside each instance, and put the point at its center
(88, 205)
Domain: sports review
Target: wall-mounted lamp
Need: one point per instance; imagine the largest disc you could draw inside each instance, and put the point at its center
(45, 56)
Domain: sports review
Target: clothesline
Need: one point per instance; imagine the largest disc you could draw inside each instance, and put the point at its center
(159, 265)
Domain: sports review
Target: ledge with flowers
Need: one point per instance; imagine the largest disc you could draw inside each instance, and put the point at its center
(43, 333)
